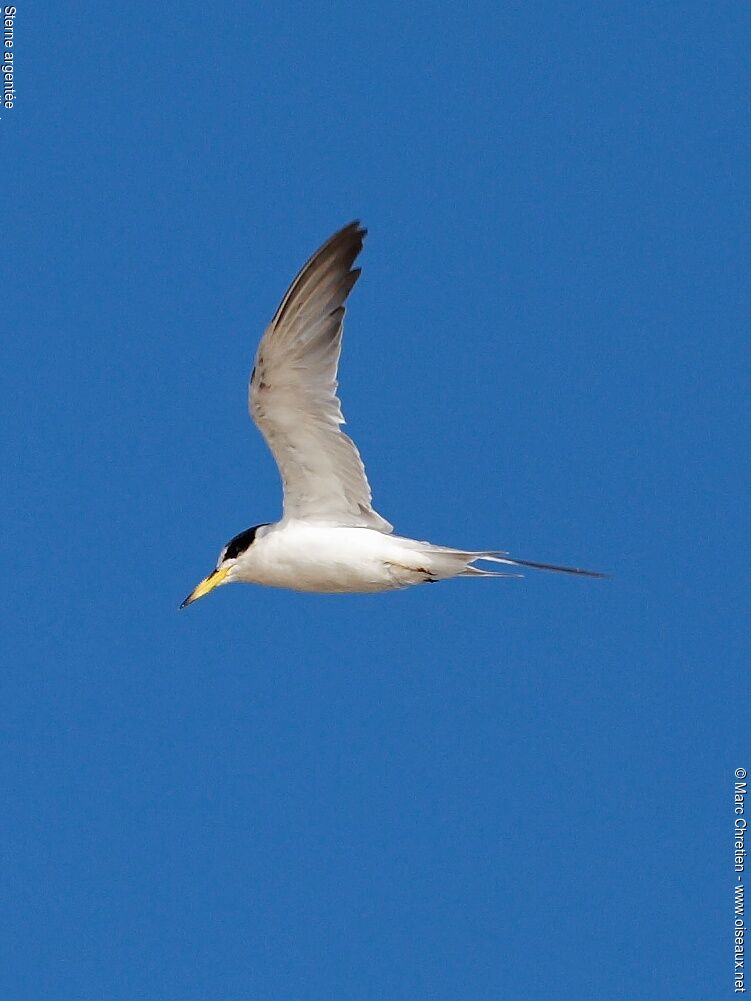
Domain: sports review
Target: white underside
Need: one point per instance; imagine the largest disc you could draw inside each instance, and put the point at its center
(306, 556)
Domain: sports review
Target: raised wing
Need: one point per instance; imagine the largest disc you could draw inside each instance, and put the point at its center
(292, 393)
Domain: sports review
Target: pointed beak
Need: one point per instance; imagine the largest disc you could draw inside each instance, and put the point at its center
(213, 580)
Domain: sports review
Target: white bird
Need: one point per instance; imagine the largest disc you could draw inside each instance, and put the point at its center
(330, 539)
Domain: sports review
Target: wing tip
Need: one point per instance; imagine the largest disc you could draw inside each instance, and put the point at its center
(353, 233)
(353, 230)
(342, 248)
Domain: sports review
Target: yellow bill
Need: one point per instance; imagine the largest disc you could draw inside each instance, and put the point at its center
(207, 584)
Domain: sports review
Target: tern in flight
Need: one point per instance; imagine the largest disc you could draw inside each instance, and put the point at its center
(330, 539)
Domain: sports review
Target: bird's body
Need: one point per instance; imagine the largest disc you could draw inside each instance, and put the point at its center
(330, 538)
(333, 559)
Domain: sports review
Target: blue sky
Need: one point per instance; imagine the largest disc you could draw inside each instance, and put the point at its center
(482, 790)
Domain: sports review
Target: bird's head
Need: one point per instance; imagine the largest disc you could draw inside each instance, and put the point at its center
(227, 566)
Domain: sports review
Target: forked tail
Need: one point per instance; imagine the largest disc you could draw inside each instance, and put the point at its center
(440, 562)
(510, 561)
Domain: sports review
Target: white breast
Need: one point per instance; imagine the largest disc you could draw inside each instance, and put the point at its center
(309, 557)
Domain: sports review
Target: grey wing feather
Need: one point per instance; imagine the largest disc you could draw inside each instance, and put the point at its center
(292, 392)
